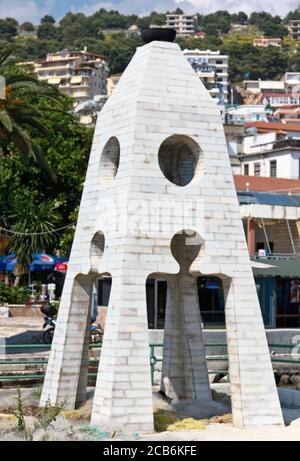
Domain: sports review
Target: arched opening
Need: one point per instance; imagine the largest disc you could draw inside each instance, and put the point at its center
(96, 250)
(109, 162)
(179, 159)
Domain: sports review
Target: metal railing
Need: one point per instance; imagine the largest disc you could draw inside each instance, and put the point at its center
(154, 359)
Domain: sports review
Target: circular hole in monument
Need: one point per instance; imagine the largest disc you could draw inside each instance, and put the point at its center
(110, 159)
(186, 245)
(178, 159)
(97, 250)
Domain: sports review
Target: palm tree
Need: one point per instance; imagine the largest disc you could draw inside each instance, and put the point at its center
(33, 231)
(21, 112)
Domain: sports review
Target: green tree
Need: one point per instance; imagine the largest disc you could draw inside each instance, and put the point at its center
(239, 18)
(47, 31)
(67, 154)
(293, 15)
(8, 29)
(269, 25)
(27, 26)
(33, 230)
(214, 23)
(245, 59)
(18, 116)
(47, 19)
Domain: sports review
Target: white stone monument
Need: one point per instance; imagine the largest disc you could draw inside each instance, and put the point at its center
(159, 201)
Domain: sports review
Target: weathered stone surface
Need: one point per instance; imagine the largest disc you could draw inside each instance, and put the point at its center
(159, 168)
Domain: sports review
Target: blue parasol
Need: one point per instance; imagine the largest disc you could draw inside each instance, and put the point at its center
(41, 262)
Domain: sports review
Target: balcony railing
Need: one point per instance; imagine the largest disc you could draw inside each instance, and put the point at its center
(273, 256)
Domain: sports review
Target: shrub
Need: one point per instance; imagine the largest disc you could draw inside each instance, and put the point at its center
(13, 295)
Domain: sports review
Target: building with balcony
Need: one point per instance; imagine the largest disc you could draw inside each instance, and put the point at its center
(270, 209)
(265, 42)
(240, 114)
(280, 99)
(271, 152)
(80, 74)
(112, 82)
(294, 28)
(288, 114)
(212, 69)
(184, 24)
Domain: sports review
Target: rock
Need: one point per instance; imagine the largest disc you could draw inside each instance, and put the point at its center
(295, 379)
(200, 409)
(284, 380)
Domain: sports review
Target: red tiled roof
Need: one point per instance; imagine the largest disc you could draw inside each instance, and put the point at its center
(277, 95)
(273, 126)
(262, 184)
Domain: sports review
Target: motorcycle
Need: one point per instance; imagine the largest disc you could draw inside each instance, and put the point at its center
(96, 332)
(49, 333)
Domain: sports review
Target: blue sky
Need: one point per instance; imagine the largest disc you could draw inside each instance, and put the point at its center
(33, 10)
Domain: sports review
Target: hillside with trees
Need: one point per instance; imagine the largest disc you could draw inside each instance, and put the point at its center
(37, 168)
(107, 32)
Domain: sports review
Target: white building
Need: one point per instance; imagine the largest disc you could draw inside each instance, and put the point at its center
(212, 68)
(238, 115)
(184, 24)
(280, 99)
(260, 86)
(294, 28)
(291, 81)
(267, 41)
(271, 154)
(80, 74)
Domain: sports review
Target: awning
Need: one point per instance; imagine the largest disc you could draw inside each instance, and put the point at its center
(288, 268)
(76, 80)
(54, 81)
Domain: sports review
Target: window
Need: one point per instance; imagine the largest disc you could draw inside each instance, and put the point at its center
(273, 168)
(264, 246)
(256, 169)
(246, 169)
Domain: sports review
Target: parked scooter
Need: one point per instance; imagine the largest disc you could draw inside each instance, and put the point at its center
(49, 310)
(49, 321)
(49, 333)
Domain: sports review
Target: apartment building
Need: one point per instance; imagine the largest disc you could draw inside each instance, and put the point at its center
(280, 99)
(294, 28)
(240, 114)
(276, 93)
(265, 42)
(271, 150)
(80, 74)
(288, 114)
(112, 82)
(184, 24)
(212, 69)
(270, 209)
(261, 86)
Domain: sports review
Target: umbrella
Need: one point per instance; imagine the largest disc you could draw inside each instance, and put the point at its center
(8, 262)
(62, 267)
(41, 262)
(44, 262)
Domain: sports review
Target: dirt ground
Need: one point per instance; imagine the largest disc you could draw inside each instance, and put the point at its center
(213, 419)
